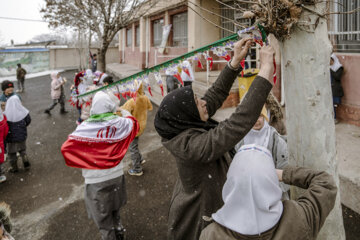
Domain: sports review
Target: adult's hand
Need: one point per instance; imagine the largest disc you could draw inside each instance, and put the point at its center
(241, 48)
(267, 55)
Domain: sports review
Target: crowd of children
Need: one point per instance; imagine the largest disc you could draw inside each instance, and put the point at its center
(14, 119)
(234, 176)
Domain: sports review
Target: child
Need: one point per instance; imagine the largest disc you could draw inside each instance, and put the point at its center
(266, 136)
(97, 146)
(5, 224)
(57, 92)
(253, 208)
(336, 71)
(18, 118)
(3, 133)
(8, 90)
(138, 109)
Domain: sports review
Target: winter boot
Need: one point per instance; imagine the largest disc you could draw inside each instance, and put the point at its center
(26, 162)
(120, 234)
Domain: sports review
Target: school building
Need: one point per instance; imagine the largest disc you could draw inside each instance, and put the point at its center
(196, 23)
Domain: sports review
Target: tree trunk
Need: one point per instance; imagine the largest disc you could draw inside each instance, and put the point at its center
(309, 111)
(102, 54)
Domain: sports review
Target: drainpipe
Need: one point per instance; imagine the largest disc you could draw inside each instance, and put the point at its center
(147, 43)
(123, 45)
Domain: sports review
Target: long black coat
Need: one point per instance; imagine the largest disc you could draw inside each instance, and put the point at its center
(18, 130)
(336, 87)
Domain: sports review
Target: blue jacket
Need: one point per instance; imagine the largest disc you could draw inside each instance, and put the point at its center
(17, 130)
(4, 98)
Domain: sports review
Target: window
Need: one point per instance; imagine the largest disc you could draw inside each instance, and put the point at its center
(157, 31)
(129, 37)
(346, 27)
(180, 30)
(137, 36)
(230, 15)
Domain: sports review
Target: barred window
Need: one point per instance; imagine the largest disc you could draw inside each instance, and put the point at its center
(180, 30)
(346, 27)
(232, 15)
(137, 36)
(157, 31)
(129, 37)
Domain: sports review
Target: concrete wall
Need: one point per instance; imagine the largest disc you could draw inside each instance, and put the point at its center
(349, 109)
(69, 58)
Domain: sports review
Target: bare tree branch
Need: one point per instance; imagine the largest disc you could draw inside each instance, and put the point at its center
(218, 15)
(210, 21)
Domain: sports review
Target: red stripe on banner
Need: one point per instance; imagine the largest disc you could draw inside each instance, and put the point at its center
(97, 155)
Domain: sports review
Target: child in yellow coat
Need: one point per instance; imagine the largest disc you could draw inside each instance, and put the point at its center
(138, 109)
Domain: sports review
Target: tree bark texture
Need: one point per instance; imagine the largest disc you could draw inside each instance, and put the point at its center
(309, 111)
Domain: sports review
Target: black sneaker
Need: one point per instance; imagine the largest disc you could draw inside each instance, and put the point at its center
(120, 234)
(27, 165)
(134, 172)
(47, 112)
(63, 111)
(13, 170)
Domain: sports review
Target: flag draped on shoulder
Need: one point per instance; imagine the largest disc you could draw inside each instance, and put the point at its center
(100, 142)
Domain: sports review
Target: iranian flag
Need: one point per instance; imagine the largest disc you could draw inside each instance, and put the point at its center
(100, 142)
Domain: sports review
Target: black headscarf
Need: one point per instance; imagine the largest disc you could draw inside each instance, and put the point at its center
(178, 112)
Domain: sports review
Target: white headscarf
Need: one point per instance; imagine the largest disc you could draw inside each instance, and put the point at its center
(102, 103)
(53, 76)
(14, 110)
(336, 64)
(251, 194)
(259, 137)
(88, 78)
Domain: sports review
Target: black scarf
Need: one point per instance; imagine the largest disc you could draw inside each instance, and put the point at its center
(178, 112)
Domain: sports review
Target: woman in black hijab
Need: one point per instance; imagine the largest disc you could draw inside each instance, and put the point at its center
(200, 145)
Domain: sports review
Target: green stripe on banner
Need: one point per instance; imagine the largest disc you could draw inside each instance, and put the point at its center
(160, 66)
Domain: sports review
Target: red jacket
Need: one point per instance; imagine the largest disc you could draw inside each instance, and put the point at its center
(4, 129)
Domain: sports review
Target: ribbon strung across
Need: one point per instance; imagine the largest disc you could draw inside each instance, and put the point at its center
(128, 86)
(175, 63)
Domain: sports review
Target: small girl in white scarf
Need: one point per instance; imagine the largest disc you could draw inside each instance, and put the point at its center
(57, 92)
(266, 136)
(18, 118)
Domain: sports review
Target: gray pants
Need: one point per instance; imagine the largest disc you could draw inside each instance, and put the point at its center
(103, 202)
(21, 84)
(61, 100)
(136, 156)
(13, 158)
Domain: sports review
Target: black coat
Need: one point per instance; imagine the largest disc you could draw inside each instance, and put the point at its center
(336, 87)
(17, 130)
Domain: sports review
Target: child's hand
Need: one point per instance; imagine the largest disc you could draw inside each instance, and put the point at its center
(279, 173)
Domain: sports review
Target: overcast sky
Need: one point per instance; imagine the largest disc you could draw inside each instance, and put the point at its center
(21, 31)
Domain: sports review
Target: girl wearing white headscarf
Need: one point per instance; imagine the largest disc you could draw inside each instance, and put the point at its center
(18, 118)
(336, 72)
(252, 200)
(97, 146)
(264, 135)
(4, 128)
(57, 92)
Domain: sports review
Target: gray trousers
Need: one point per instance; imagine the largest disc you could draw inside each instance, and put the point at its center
(136, 156)
(21, 84)
(103, 201)
(61, 100)
(13, 158)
